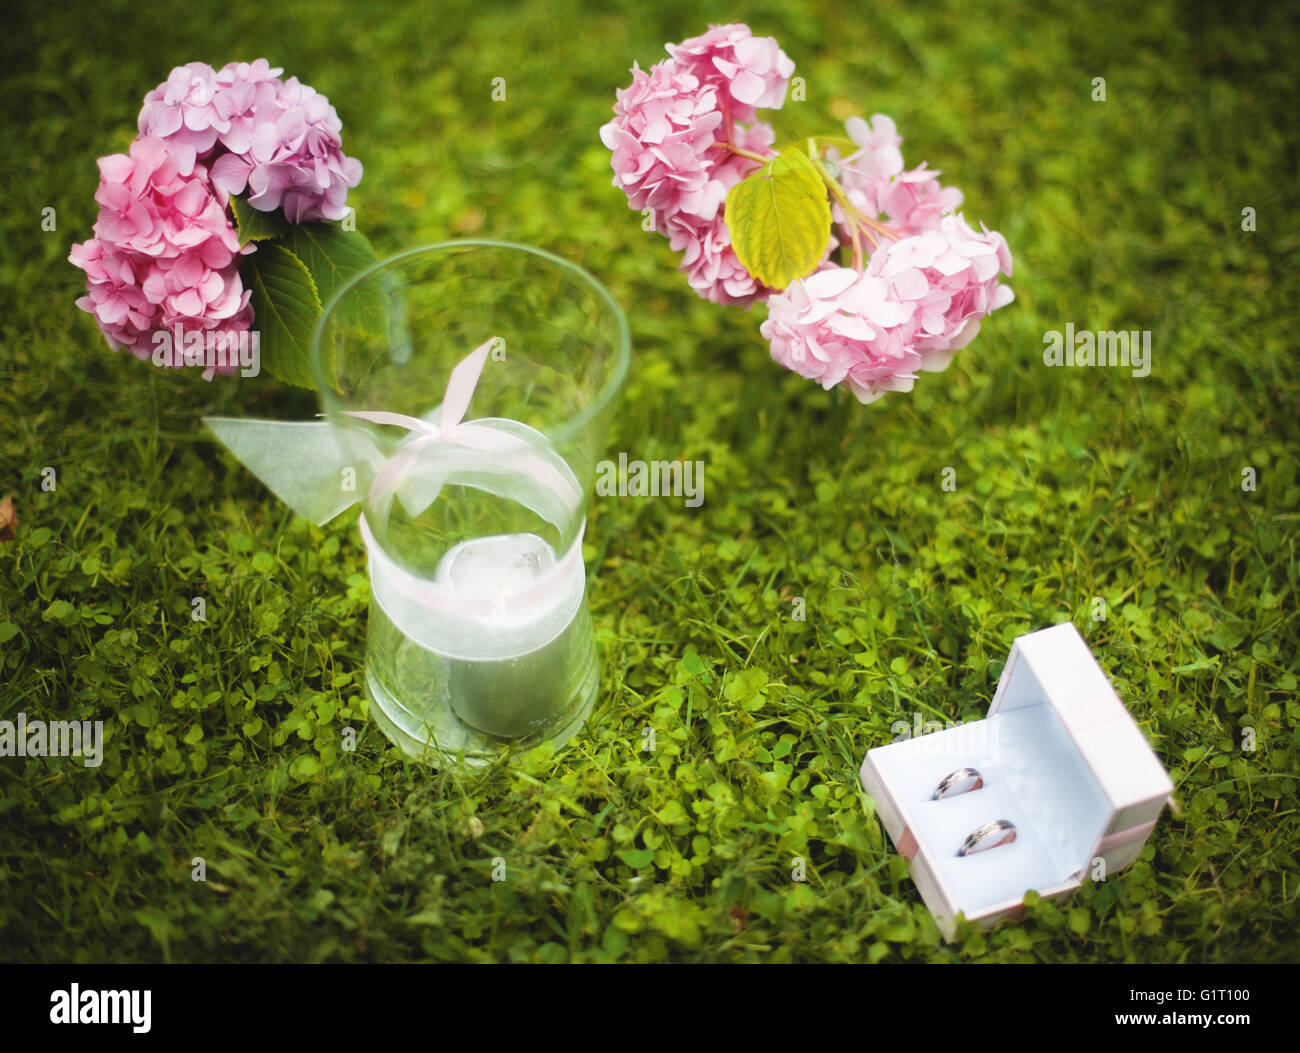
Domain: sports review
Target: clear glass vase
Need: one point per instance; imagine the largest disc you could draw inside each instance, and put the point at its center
(479, 639)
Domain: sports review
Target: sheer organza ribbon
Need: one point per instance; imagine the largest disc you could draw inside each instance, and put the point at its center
(305, 462)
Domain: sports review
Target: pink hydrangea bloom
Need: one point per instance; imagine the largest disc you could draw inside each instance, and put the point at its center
(189, 111)
(164, 256)
(918, 301)
(929, 280)
(250, 87)
(873, 178)
(878, 157)
(163, 253)
(710, 263)
(667, 121)
(949, 277)
(841, 327)
(294, 159)
(114, 296)
(914, 201)
(753, 72)
(662, 136)
(280, 139)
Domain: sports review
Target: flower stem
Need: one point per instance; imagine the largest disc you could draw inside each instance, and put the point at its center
(859, 223)
(742, 152)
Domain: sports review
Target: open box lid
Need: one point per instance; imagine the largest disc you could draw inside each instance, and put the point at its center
(1055, 668)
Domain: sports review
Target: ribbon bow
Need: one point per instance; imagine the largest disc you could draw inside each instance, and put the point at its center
(460, 389)
(305, 463)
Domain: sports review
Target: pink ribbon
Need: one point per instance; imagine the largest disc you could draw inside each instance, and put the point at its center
(460, 389)
(424, 593)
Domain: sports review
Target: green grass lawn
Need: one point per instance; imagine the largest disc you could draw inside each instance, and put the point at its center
(1071, 485)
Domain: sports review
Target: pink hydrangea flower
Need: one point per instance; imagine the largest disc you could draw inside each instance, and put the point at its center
(163, 253)
(949, 278)
(710, 263)
(259, 71)
(662, 136)
(685, 133)
(251, 87)
(878, 157)
(189, 111)
(147, 205)
(914, 201)
(114, 296)
(664, 140)
(667, 121)
(279, 139)
(665, 158)
(753, 72)
(294, 159)
(841, 327)
(918, 301)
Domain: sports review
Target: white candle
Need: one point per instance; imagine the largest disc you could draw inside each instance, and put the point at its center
(519, 667)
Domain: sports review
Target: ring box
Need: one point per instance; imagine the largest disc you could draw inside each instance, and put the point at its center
(1061, 758)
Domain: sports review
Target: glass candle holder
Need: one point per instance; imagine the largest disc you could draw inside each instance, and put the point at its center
(480, 638)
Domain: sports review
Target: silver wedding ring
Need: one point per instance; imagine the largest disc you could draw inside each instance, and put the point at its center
(952, 779)
(982, 838)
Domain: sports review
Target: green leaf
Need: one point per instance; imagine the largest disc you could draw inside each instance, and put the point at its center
(614, 940)
(304, 767)
(59, 611)
(693, 664)
(285, 309)
(672, 813)
(251, 224)
(637, 858)
(426, 917)
(628, 920)
(780, 220)
(334, 256)
(899, 929)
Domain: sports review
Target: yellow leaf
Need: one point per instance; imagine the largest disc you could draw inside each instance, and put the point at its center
(779, 219)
